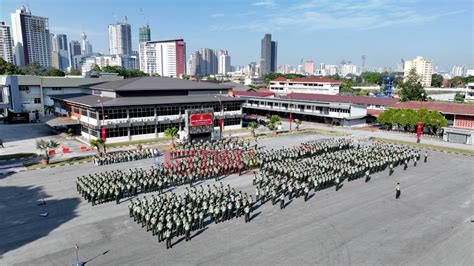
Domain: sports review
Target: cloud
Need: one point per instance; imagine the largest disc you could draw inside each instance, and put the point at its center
(217, 15)
(315, 15)
(265, 3)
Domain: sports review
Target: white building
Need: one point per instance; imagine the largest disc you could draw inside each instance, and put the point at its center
(348, 69)
(469, 72)
(224, 63)
(165, 58)
(120, 39)
(31, 38)
(469, 92)
(6, 44)
(423, 67)
(328, 70)
(125, 61)
(282, 85)
(458, 71)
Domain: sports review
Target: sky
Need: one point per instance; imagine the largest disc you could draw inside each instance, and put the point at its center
(325, 31)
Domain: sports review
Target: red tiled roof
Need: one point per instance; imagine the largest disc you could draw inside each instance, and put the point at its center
(443, 107)
(342, 98)
(252, 93)
(374, 113)
(319, 80)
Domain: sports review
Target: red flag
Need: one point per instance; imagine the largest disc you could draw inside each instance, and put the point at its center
(103, 133)
(220, 124)
(418, 130)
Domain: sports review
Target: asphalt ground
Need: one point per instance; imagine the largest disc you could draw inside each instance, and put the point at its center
(362, 223)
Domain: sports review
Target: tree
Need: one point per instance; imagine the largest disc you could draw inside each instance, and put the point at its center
(94, 143)
(45, 146)
(412, 89)
(53, 72)
(346, 86)
(459, 97)
(171, 132)
(372, 77)
(7, 68)
(271, 76)
(437, 121)
(456, 82)
(297, 123)
(253, 126)
(33, 69)
(436, 80)
(101, 143)
(469, 79)
(275, 120)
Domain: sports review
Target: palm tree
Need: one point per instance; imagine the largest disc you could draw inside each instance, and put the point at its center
(94, 143)
(101, 142)
(45, 146)
(297, 123)
(172, 133)
(253, 126)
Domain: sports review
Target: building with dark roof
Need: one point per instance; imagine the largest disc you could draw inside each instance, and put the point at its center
(142, 108)
(283, 86)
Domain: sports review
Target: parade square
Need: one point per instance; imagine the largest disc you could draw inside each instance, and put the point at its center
(361, 223)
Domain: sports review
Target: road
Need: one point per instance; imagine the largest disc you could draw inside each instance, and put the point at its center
(362, 223)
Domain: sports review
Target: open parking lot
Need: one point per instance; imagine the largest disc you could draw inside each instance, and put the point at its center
(362, 223)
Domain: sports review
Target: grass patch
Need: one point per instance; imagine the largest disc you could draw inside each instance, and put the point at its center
(429, 146)
(59, 162)
(16, 156)
(136, 142)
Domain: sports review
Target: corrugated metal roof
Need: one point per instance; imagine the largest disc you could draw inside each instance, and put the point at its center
(158, 83)
(63, 81)
(96, 101)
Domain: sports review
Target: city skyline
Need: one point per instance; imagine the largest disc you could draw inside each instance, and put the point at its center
(349, 29)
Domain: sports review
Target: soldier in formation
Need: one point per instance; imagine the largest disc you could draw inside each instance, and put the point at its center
(179, 215)
(124, 156)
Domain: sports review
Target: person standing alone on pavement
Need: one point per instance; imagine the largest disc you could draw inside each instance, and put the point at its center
(397, 189)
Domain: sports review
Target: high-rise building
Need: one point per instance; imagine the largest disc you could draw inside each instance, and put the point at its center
(209, 62)
(195, 64)
(74, 50)
(31, 38)
(224, 62)
(120, 39)
(347, 69)
(458, 71)
(165, 58)
(423, 67)
(59, 51)
(144, 34)
(309, 67)
(6, 44)
(268, 63)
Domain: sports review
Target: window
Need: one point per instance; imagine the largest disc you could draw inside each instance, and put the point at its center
(56, 89)
(116, 113)
(232, 121)
(24, 88)
(37, 100)
(116, 132)
(141, 130)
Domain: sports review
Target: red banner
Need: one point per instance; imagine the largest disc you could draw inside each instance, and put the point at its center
(418, 130)
(196, 120)
(103, 133)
